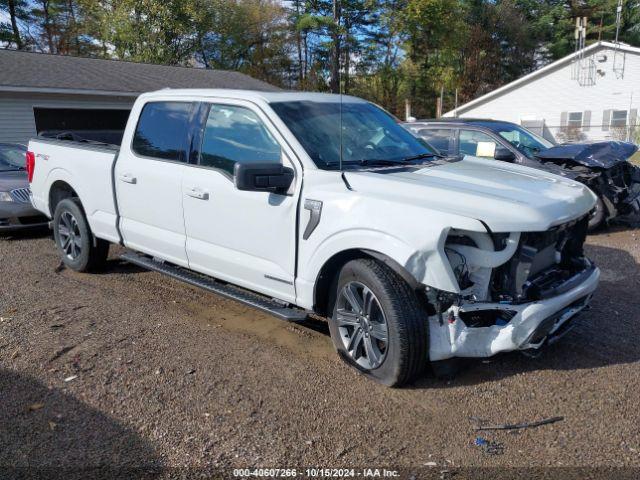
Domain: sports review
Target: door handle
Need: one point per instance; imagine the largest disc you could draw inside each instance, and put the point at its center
(128, 178)
(198, 193)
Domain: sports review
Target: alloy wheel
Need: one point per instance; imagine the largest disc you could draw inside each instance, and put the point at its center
(362, 325)
(70, 236)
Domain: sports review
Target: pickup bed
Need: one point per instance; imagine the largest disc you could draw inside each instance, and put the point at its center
(301, 203)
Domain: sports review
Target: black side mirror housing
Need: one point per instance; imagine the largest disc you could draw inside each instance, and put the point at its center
(263, 177)
(504, 154)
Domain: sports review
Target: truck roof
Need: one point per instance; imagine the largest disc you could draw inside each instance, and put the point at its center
(269, 97)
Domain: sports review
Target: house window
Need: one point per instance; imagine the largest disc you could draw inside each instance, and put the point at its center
(575, 120)
(619, 118)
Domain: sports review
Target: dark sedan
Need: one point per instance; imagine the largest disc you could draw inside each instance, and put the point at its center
(16, 212)
(602, 166)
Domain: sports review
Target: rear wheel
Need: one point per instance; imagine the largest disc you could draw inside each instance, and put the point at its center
(77, 246)
(378, 325)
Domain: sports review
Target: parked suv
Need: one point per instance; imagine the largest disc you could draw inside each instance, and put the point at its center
(602, 166)
(299, 203)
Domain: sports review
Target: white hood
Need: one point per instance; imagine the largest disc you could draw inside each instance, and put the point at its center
(508, 198)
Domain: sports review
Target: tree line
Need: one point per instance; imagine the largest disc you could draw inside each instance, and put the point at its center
(383, 50)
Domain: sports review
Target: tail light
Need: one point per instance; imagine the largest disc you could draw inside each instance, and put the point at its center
(31, 165)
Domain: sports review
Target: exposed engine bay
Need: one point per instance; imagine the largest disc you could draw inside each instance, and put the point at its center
(516, 290)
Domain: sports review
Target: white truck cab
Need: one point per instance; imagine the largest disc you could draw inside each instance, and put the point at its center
(305, 202)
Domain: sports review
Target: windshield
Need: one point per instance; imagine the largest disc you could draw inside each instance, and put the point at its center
(369, 134)
(12, 157)
(525, 141)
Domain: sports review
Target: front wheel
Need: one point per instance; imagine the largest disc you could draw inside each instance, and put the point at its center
(77, 246)
(378, 325)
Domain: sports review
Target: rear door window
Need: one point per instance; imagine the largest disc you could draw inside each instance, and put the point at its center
(477, 144)
(439, 138)
(162, 131)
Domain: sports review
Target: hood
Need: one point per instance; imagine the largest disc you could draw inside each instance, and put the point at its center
(506, 197)
(13, 179)
(596, 154)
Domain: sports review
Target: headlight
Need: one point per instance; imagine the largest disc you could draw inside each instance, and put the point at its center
(5, 197)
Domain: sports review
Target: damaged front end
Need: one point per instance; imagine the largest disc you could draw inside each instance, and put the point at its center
(518, 291)
(618, 187)
(604, 168)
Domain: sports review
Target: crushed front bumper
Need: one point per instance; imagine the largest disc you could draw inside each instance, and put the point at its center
(530, 324)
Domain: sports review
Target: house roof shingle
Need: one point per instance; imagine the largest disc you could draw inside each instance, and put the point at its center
(42, 72)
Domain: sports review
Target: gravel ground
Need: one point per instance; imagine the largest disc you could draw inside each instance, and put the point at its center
(128, 371)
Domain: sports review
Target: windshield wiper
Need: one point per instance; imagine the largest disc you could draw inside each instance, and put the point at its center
(420, 156)
(374, 161)
(383, 161)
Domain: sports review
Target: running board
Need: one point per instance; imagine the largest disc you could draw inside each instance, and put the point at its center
(254, 300)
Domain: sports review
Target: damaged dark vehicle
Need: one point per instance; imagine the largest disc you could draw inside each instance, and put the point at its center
(602, 166)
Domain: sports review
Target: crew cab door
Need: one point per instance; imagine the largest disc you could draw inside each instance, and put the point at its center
(244, 237)
(148, 180)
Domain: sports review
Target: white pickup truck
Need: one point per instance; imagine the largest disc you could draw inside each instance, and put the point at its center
(300, 203)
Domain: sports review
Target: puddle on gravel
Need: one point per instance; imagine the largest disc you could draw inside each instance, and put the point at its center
(309, 338)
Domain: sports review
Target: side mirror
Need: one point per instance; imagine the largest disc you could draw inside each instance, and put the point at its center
(504, 154)
(263, 177)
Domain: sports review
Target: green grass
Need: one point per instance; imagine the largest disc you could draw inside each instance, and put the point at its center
(636, 158)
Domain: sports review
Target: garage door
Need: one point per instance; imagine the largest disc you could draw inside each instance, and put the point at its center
(103, 125)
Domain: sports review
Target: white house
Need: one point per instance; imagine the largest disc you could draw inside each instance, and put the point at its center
(592, 94)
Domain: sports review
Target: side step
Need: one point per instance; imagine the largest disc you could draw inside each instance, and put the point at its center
(226, 290)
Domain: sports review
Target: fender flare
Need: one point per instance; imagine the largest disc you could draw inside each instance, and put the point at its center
(396, 267)
(321, 287)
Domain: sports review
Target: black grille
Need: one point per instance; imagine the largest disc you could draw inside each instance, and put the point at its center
(21, 195)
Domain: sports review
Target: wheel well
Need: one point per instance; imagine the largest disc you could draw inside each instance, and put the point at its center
(58, 192)
(328, 272)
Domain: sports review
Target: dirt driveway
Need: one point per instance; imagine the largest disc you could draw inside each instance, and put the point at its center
(132, 371)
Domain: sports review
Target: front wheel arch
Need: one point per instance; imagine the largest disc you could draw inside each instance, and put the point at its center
(332, 267)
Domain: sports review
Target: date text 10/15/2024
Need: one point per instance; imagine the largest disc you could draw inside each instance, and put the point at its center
(316, 473)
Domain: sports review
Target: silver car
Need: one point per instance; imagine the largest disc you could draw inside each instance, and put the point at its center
(16, 212)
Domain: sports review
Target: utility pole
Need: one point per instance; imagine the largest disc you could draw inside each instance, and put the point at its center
(455, 107)
(618, 19)
(407, 109)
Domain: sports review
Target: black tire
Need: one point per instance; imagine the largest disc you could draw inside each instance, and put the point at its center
(80, 250)
(405, 353)
(597, 216)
